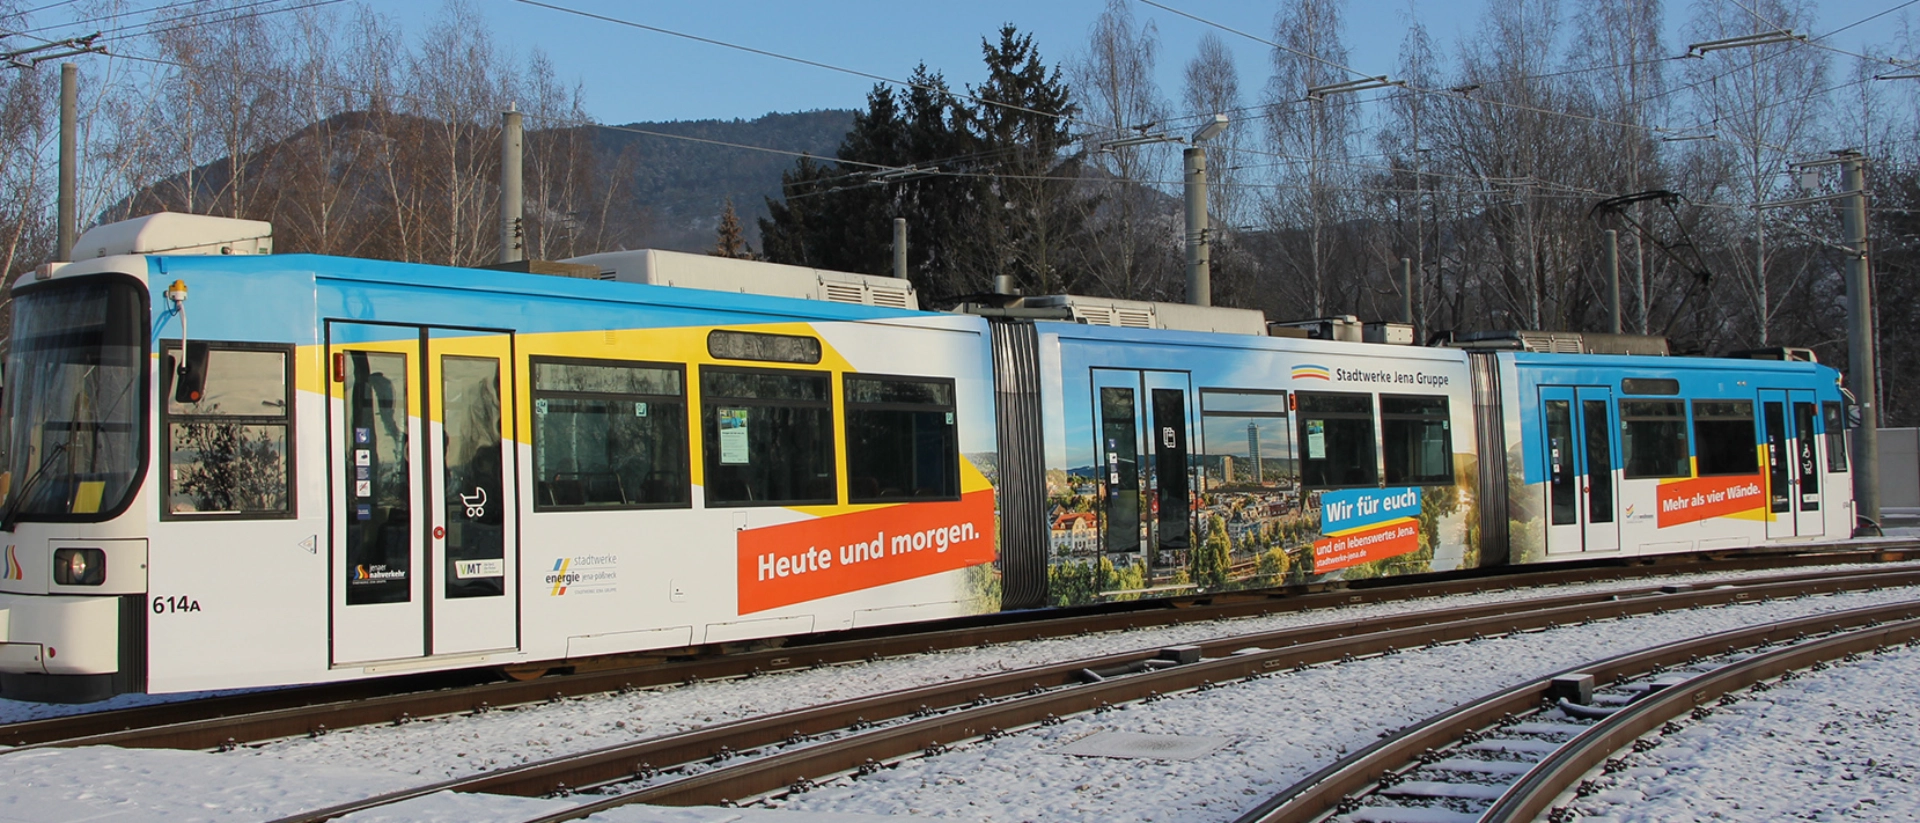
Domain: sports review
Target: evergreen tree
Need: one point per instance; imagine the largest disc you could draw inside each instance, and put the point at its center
(986, 188)
(1032, 218)
(731, 242)
(840, 216)
(788, 233)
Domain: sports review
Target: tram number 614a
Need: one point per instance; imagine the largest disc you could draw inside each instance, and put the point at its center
(163, 604)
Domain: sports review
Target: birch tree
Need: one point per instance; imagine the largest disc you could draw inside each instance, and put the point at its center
(1314, 136)
(1113, 82)
(1765, 105)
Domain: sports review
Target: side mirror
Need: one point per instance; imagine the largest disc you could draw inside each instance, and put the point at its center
(190, 381)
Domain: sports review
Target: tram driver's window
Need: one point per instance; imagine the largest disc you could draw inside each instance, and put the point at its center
(227, 453)
(1336, 439)
(768, 437)
(901, 440)
(1723, 430)
(1653, 435)
(609, 434)
(1833, 418)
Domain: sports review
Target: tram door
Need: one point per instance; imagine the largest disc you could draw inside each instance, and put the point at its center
(1793, 463)
(424, 556)
(1582, 488)
(1144, 428)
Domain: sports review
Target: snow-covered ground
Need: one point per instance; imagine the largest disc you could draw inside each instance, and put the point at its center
(1269, 732)
(1843, 743)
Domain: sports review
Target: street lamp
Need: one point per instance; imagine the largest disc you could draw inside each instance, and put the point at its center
(1199, 273)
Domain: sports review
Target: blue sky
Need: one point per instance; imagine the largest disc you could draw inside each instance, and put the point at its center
(633, 75)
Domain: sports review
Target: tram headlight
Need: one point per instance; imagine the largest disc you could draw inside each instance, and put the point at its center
(79, 567)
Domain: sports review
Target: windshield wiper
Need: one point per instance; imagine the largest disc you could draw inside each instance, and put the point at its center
(11, 518)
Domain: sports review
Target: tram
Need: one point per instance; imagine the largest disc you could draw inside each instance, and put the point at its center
(345, 468)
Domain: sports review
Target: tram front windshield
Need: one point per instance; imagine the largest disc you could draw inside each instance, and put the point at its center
(73, 401)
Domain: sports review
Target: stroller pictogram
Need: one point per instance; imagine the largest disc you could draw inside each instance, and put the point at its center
(476, 503)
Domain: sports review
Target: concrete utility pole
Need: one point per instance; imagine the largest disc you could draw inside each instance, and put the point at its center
(513, 238)
(1199, 271)
(69, 162)
(900, 247)
(1862, 372)
(1199, 275)
(1612, 248)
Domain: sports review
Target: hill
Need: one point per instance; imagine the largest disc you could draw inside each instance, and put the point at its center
(682, 184)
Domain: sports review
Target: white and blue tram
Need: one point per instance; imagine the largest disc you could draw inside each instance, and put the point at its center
(346, 468)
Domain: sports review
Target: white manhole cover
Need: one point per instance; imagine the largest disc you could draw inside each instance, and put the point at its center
(1134, 744)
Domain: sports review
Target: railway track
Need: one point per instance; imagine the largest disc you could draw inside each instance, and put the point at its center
(791, 751)
(1513, 755)
(249, 718)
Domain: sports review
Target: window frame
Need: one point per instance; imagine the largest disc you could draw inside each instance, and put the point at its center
(849, 406)
(1446, 419)
(535, 394)
(1833, 424)
(1627, 459)
(170, 353)
(1700, 469)
(1284, 415)
(1372, 416)
(710, 457)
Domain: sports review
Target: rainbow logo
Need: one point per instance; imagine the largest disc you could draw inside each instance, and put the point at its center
(10, 566)
(1311, 372)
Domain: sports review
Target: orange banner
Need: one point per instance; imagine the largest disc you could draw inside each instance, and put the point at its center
(1390, 539)
(796, 562)
(1690, 501)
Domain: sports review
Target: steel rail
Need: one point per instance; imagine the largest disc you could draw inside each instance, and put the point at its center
(1054, 690)
(1316, 796)
(1536, 791)
(242, 719)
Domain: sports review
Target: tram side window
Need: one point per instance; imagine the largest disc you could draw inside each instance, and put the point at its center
(1723, 432)
(1653, 434)
(609, 434)
(768, 437)
(901, 440)
(227, 453)
(1834, 417)
(1244, 434)
(1336, 439)
(1419, 439)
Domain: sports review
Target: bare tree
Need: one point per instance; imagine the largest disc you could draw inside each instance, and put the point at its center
(457, 89)
(1765, 105)
(1403, 197)
(1506, 146)
(1114, 84)
(1621, 39)
(326, 168)
(559, 165)
(27, 131)
(1315, 136)
(233, 101)
(1213, 87)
